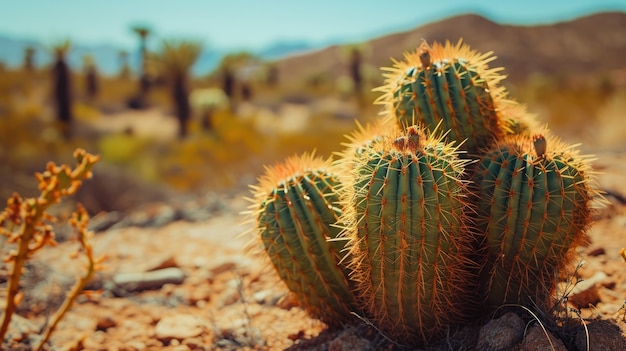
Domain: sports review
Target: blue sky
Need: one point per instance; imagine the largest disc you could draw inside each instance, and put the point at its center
(251, 24)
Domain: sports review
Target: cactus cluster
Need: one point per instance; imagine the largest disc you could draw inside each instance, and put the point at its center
(452, 205)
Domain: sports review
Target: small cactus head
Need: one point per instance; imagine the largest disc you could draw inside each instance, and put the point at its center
(404, 213)
(534, 209)
(447, 87)
(294, 210)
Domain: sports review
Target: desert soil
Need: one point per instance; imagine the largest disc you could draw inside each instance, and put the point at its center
(202, 291)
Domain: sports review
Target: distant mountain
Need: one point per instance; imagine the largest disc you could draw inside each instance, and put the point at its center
(594, 44)
(285, 48)
(586, 45)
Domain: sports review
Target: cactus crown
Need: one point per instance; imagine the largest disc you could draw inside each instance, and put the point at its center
(447, 85)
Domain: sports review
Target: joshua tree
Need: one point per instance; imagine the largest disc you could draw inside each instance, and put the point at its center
(144, 82)
(91, 77)
(227, 69)
(206, 102)
(271, 78)
(29, 57)
(355, 70)
(124, 67)
(62, 87)
(174, 62)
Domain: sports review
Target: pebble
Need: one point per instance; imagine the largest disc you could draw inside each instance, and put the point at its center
(502, 333)
(603, 336)
(179, 327)
(537, 340)
(149, 280)
(105, 322)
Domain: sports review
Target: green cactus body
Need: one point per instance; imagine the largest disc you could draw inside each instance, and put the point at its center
(406, 228)
(295, 219)
(534, 210)
(447, 87)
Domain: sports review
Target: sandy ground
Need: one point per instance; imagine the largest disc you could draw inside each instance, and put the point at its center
(214, 296)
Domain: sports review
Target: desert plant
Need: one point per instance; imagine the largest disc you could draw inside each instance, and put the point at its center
(448, 85)
(206, 102)
(124, 72)
(62, 87)
(295, 207)
(144, 81)
(533, 209)
(91, 77)
(175, 60)
(423, 213)
(406, 220)
(29, 58)
(355, 70)
(24, 222)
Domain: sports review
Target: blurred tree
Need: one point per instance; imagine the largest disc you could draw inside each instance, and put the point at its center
(144, 81)
(228, 68)
(91, 77)
(355, 70)
(206, 102)
(228, 82)
(174, 62)
(29, 58)
(271, 75)
(124, 73)
(62, 88)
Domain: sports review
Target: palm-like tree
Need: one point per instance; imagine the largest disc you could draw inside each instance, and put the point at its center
(174, 61)
(143, 33)
(124, 67)
(91, 77)
(29, 58)
(228, 68)
(62, 86)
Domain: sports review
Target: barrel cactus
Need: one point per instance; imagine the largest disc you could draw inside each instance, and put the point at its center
(448, 208)
(295, 207)
(450, 86)
(405, 217)
(533, 210)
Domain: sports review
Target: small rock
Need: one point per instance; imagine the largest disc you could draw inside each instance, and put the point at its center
(537, 340)
(105, 323)
(163, 262)
(348, 341)
(603, 336)
(586, 298)
(585, 293)
(597, 252)
(502, 333)
(21, 327)
(104, 220)
(179, 327)
(149, 280)
(261, 296)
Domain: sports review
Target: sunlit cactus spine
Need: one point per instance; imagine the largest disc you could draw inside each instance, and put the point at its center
(295, 208)
(449, 87)
(405, 216)
(534, 204)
